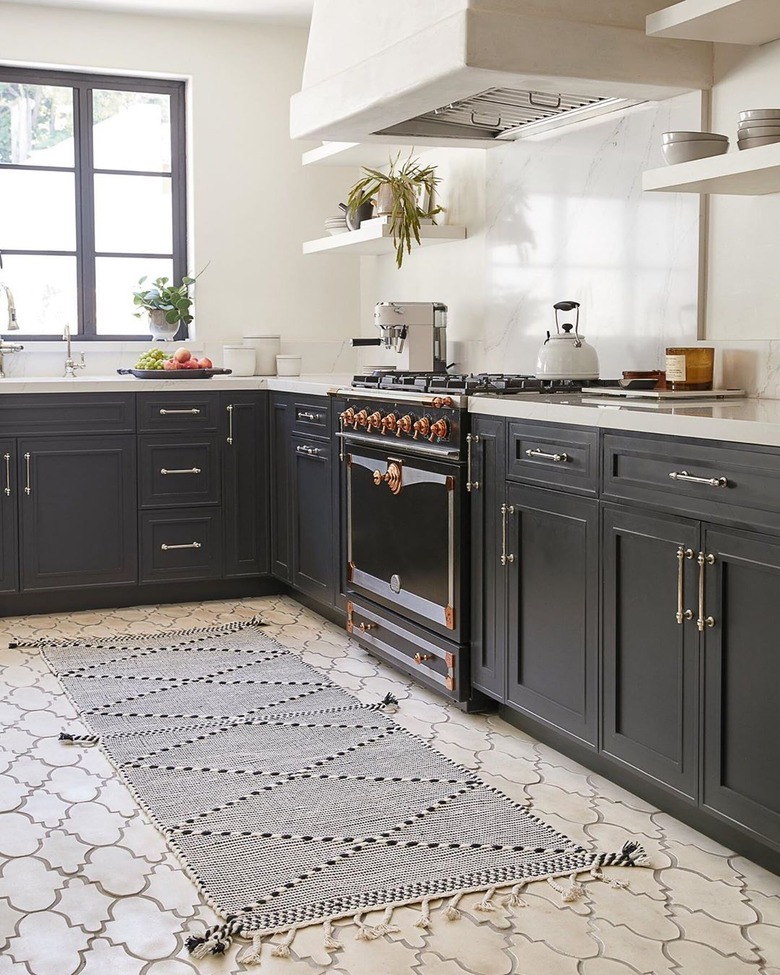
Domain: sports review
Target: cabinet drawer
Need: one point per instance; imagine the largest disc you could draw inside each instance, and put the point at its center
(176, 472)
(53, 413)
(182, 544)
(705, 480)
(177, 412)
(553, 456)
(312, 417)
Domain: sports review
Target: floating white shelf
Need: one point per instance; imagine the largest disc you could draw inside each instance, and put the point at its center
(371, 154)
(374, 237)
(751, 172)
(723, 21)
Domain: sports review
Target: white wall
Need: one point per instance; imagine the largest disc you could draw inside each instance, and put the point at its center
(251, 201)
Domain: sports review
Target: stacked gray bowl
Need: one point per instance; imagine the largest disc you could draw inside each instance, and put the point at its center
(759, 127)
(680, 147)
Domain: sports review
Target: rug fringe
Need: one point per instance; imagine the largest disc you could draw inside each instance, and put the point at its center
(69, 739)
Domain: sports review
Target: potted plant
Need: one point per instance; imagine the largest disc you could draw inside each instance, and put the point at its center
(167, 305)
(405, 194)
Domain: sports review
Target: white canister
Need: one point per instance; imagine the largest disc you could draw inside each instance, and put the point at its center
(267, 348)
(240, 359)
(288, 365)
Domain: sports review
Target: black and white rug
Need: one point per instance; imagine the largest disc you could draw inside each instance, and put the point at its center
(290, 802)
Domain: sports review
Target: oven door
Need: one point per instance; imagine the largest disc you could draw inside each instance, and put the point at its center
(404, 535)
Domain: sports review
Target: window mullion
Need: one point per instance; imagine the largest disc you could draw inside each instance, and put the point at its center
(85, 214)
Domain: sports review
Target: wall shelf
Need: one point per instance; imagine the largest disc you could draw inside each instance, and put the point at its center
(722, 21)
(374, 237)
(371, 154)
(751, 172)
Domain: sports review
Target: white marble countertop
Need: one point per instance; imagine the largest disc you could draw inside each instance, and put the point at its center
(311, 384)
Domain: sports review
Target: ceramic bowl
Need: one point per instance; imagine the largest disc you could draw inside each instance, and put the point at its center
(680, 152)
(669, 137)
(759, 114)
(755, 143)
(333, 231)
(758, 131)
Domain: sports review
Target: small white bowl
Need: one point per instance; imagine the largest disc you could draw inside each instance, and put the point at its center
(756, 114)
(669, 137)
(680, 152)
(758, 131)
(755, 143)
(288, 365)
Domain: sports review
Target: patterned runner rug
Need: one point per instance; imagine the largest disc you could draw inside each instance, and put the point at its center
(288, 801)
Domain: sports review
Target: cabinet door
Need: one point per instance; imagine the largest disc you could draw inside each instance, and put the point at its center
(741, 747)
(552, 608)
(281, 486)
(313, 538)
(77, 512)
(488, 576)
(244, 436)
(650, 661)
(9, 492)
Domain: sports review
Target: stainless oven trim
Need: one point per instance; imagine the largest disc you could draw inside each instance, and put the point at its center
(402, 446)
(410, 475)
(423, 607)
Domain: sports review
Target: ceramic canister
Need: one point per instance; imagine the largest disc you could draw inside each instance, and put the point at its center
(267, 348)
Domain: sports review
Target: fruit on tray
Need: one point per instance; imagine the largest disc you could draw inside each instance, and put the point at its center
(153, 359)
(184, 359)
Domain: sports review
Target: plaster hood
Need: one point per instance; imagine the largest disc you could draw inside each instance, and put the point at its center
(478, 72)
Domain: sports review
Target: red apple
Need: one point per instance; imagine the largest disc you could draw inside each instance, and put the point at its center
(182, 355)
(206, 363)
(171, 364)
(191, 364)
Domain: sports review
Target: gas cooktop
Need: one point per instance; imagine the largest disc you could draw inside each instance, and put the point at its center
(474, 384)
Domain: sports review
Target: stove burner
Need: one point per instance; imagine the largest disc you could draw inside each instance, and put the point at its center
(472, 384)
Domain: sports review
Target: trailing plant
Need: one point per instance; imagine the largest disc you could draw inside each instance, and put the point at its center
(411, 185)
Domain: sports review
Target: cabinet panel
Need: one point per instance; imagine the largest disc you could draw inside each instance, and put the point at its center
(312, 418)
(178, 471)
(312, 530)
(281, 486)
(741, 749)
(9, 493)
(488, 578)
(183, 412)
(650, 661)
(547, 455)
(552, 603)
(24, 414)
(244, 440)
(181, 545)
(77, 505)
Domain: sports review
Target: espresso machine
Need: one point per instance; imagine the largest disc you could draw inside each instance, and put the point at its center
(416, 331)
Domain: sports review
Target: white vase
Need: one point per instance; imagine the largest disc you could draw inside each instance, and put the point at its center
(160, 329)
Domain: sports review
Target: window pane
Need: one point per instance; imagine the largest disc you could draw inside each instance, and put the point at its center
(133, 214)
(37, 210)
(117, 279)
(44, 290)
(132, 130)
(36, 124)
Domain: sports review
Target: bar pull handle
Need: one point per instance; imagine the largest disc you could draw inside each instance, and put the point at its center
(682, 555)
(188, 470)
(169, 548)
(704, 560)
(506, 509)
(309, 451)
(230, 424)
(7, 488)
(313, 417)
(541, 455)
(692, 479)
(470, 485)
(27, 488)
(192, 412)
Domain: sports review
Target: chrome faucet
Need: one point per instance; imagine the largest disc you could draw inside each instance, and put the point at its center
(13, 324)
(70, 364)
(6, 348)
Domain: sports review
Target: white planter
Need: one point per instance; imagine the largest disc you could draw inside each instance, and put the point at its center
(160, 330)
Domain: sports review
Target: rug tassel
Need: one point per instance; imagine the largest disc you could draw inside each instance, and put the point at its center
(515, 899)
(385, 926)
(388, 703)
(251, 954)
(568, 894)
(486, 904)
(424, 920)
(68, 739)
(282, 950)
(452, 913)
(215, 941)
(598, 874)
(364, 931)
(329, 942)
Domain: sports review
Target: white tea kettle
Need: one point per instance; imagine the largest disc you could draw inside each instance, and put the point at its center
(567, 355)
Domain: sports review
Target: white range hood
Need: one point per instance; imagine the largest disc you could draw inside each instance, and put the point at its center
(478, 72)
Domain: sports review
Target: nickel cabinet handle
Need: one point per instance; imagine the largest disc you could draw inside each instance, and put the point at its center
(715, 482)
(470, 485)
(682, 555)
(506, 509)
(541, 455)
(169, 548)
(313, 417)
(704, 560)
(27, 488)
(308, 451)
(230, 424)
(192, 412)
(7, 488)
(189, 470)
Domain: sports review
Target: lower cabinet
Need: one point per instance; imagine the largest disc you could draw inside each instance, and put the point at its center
(179, 545)
(9, 533)
(280, 431)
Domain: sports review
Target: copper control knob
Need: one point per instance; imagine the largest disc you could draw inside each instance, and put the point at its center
(389, 423)
(360, 420)
(405, 425)
(347, 417)
(440, 401)
(422, 427)
(374, 422)
(439, 430)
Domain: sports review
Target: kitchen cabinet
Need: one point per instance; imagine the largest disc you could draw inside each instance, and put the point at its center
(281, 410)
(9, 559)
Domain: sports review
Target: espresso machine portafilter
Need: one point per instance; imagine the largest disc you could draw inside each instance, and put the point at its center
(415, 330)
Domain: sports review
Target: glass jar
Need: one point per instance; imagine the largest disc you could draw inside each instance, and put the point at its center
(689, 368)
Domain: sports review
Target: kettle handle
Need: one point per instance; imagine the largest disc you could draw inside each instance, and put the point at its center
(566, 305)
(569, 306)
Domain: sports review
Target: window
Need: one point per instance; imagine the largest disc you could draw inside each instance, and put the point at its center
(92, 197)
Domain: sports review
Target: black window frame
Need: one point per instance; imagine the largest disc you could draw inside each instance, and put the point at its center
(83, 84)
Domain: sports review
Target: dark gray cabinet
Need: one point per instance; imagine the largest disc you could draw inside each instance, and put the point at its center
(77, 512)
(9, 493)
(281, 412)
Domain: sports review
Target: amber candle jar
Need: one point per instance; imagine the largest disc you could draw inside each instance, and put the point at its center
(689, 368)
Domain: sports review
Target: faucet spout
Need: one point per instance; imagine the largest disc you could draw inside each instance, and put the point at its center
(70, 364)
(13, 324)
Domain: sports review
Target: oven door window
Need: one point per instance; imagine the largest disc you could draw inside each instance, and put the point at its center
(401, 521)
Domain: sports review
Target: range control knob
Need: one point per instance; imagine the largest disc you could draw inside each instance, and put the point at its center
(389, 423)
(440, 401)
(439, 430)
(422, 427)
(374, 421)
(347, 417)
(361, 419)
(405, 424)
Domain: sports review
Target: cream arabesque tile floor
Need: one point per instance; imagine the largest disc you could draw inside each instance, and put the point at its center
(88, 885)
